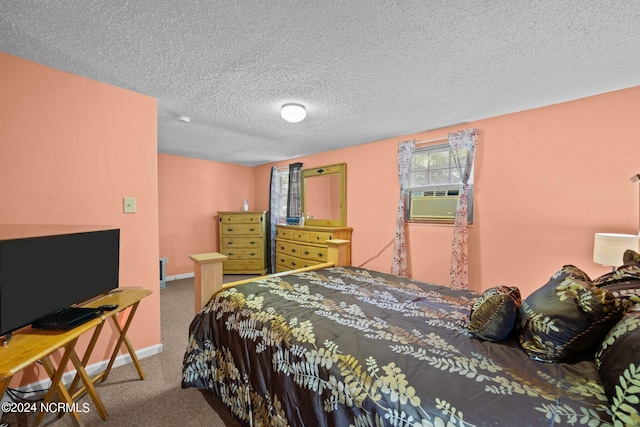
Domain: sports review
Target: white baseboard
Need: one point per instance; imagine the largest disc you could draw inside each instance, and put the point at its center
(180, 276)
(122, 359)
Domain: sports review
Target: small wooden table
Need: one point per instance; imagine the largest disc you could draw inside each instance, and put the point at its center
(29, 345)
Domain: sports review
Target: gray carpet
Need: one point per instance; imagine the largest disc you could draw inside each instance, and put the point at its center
(158, 400)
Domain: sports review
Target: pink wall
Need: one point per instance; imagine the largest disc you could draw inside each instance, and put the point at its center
(546, 180)
(191, 192)
(70, 150)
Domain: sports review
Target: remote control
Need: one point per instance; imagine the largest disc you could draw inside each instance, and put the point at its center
(109, 307)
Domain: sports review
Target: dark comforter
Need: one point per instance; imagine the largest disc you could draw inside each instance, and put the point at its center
(347, 346)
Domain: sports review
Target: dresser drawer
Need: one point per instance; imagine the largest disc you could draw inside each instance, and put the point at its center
(300, 235)
(241, 242)
(284, 234)
(287, 261)
(314, 253)
(308, 263)
(241, 253)
(242, 265)
(240, 229)
(282, 268)
(287, 248)
(249, 218)
(319, 236)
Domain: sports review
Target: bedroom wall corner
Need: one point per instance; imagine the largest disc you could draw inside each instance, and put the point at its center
(190, 194)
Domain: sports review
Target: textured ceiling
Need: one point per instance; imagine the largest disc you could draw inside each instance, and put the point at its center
(365, 69)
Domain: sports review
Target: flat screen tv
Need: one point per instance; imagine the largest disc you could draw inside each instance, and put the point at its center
(41, 275)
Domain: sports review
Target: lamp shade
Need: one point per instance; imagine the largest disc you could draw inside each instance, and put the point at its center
(608, 248)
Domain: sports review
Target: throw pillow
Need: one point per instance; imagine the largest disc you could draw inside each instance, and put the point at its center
(566, 317)
(618, 361)
(494, 313)
(623, 283)
(630, 257)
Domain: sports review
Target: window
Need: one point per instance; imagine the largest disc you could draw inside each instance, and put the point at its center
(282, 189)
(434, 184)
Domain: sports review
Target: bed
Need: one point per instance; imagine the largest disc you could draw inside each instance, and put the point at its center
(346, 346)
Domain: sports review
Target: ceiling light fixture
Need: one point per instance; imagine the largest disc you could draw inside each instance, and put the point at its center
(184, 119)
(293, 113)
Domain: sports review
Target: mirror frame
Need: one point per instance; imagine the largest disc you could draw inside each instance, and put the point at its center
(339, 169)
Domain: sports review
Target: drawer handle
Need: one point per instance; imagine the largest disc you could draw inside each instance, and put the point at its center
(252, 253)
(230, 243)
(252, 243)
(320, 254)
(293, 251)
(252, 229)
(229, 229)
(293, 263)
(230, 253)
(282, 248)
(306, 252)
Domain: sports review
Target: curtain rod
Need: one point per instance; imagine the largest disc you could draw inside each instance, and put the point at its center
(426, 141)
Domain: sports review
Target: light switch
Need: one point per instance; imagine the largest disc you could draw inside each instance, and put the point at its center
(129, 205)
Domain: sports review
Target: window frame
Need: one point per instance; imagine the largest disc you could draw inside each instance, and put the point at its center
(449, 185)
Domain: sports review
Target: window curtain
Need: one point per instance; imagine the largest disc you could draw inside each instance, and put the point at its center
(459, 270)
(274, 208)
(294, 198)
(399, 263)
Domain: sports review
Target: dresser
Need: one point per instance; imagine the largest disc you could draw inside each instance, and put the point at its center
(243, 240)
(303, 246)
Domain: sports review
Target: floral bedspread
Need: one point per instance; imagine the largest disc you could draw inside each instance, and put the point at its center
(352, 347)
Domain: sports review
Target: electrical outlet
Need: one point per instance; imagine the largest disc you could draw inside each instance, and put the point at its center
(129, 205)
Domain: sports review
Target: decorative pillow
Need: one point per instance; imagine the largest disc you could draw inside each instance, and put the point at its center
(618, 361)
(566, 317)
(630, 257)
(623, 283)
(494, 313)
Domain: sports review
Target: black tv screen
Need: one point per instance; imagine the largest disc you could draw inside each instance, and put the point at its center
(40, 275)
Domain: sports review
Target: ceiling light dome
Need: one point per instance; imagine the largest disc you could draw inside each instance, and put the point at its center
(293, 113)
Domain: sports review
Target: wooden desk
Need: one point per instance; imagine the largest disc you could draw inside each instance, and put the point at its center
(28, 346)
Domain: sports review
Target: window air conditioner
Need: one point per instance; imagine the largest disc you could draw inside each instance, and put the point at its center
(434, 205)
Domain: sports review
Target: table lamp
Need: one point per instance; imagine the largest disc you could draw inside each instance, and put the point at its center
(608, 248)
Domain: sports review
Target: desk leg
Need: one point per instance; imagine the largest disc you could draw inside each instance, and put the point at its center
(58, 387)
(88, 385)
(56, 382)
(123, 339)
(4, 384)
(85, 360)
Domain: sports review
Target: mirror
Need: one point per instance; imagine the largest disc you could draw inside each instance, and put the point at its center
(324, 195)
